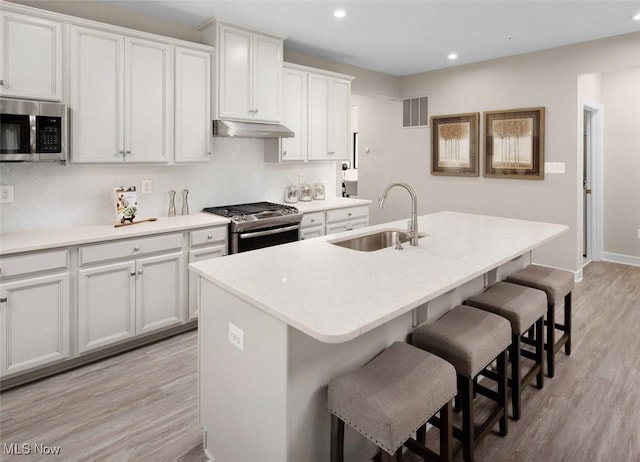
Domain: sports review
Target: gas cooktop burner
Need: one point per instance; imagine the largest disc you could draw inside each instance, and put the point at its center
(257, 215)
(257, 210)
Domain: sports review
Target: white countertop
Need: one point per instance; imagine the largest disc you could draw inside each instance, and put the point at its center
(334, 294)
(41, 239)
(329, 203)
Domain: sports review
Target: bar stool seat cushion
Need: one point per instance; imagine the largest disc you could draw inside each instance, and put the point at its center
(555, 282)
(521, 305)
(393, 395)
(467, 337)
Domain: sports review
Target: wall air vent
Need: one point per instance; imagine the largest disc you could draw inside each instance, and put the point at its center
(415, 112)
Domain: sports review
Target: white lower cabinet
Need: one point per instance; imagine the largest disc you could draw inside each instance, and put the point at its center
(204, 244)
(120, 300)
(312, 225)
(347, 219)
(334, 221)
(34, 311)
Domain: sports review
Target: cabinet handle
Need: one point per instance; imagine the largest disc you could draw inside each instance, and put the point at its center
(121, 151)
(284, 153)
(209, 237)
(136, 249)
(349, 214)
(128, 151)
(139, 272)
(3, 300)
(312, 220)
(132, 274)
(2, 82)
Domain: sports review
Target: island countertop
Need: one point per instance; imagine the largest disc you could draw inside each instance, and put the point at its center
(334, 294)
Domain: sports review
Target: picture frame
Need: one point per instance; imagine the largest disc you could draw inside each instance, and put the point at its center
(514, 143)
(455, 144)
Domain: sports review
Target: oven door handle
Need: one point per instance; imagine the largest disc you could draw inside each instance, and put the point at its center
(268, 232)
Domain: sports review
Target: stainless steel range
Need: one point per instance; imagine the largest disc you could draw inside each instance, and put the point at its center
(259, 224)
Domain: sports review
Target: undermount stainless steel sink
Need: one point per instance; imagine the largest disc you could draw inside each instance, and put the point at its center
(376, 240)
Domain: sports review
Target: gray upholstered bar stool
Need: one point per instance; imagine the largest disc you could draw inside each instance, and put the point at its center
(471, 339)
(391, 397)
(524, 307)
(556, 284)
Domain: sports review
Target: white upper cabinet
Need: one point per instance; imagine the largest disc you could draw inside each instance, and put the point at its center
(30, 57)
(249, 73)
(295, 115)
(192, 105)
(329, 101)
(121, 98)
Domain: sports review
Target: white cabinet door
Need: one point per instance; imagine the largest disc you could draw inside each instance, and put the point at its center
(329, 100)
(319, 88)
(97, 96)
(148, 107)
(31, 57)
(234, 73)
(34, 322)
(310, 233)
(192, 106)
(249, 75)
(106, 304)
(294, 115)
(266, 79)
(194, 281)
(339, 133)
(159, 292)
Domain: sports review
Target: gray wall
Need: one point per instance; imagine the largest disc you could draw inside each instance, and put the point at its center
(621, 100)
(547, 78)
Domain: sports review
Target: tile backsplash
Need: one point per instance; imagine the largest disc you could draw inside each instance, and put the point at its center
(54, 195)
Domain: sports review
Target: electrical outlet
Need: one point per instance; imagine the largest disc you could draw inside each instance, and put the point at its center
(146, 186)
(638, 233)
(236, 336)
(301, 178)
(6, 194)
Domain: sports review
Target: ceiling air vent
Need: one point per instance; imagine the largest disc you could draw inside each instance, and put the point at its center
(415, 112)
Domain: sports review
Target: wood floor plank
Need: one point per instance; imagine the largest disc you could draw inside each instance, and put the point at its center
(142, 405)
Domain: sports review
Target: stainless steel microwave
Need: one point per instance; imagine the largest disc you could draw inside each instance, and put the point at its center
(32, 131)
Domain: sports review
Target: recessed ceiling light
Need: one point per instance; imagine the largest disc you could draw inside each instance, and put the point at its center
(452, 56)
(636, 16)
(339, 14)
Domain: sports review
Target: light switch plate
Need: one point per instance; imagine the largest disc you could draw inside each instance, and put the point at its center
(554, 167)
(146, 186)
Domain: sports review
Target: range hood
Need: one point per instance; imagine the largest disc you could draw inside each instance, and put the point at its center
(250, 129)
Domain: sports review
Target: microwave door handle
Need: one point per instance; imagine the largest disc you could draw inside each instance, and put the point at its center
(32, 133)
(268, 232)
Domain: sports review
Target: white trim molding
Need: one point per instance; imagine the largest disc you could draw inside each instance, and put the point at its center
(618, 258)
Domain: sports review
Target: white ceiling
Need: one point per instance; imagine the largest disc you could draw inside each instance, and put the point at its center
(400, 37)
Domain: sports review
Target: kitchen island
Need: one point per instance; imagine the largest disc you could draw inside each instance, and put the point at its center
(278, 323)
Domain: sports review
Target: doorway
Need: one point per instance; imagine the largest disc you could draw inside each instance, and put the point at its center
(592, 116)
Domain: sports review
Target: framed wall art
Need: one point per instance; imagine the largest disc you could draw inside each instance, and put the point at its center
(514, 143)
(455, 145)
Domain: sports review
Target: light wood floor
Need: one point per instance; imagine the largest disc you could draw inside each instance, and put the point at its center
(141, 405)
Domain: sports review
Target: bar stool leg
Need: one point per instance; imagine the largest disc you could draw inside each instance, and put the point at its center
(465, 389)
(446, 433)
(567, 322)
(540, 352)
(503, 393)
(551, 339)
(516, 376)
(337, 439)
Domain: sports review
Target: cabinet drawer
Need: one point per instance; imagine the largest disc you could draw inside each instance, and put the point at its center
(207, 236)
(312, 219)
(33, 262)
(128, 248)
(347, 214)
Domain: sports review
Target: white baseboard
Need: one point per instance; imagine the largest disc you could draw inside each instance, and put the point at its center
(624, 259)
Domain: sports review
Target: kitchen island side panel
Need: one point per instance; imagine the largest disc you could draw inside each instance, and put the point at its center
(312, 365)
(243, 394)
